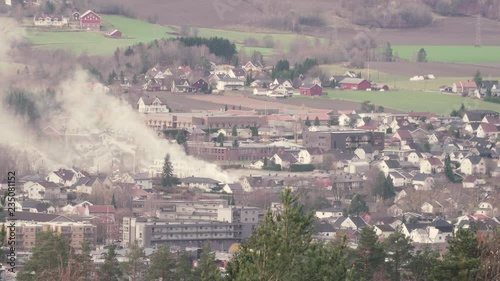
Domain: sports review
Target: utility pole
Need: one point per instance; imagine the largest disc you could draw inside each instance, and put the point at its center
(478, 31)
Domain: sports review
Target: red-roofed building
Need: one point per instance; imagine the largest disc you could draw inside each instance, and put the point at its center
(90, 21)
(466, 87)
(97, 210)
(404, 136)
(311, 90)
(115, 34)
(487, 130)
(431, 166)
(346, 112)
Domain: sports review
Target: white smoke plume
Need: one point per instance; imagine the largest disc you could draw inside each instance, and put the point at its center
(83, 108)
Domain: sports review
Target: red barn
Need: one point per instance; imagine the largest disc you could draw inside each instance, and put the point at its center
(115, 34)
(90, 20)
(355, 84)
(311, 90)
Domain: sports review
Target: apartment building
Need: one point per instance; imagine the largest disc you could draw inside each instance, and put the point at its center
(224, 224)
(245, 152)
(75, 232)
(347, 141)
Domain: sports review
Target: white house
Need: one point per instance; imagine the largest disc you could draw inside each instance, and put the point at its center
(366, 152)
(63, 177)
(383, 231)
(230, 84)
(155, 104)
(44, 190)
(205, 184)
(397, 179)
(387, 166)
(423, 182)
(310, 156)
(329, 213)
(487, 209)
(473, 165)
(50, 20)
(431, 165)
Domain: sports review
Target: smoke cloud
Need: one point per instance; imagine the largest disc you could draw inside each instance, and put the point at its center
(84, 126)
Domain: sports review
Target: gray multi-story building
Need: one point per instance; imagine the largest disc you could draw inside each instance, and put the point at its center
(192, 226)
(343, 140)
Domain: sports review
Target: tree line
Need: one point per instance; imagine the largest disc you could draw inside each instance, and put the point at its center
(282, 248)
(218, 46)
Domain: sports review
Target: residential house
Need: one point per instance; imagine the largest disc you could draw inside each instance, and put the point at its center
(311, 90)
(63, 176)
(230, 84)
(88, 184)
(311, 155)
(473, 165)
(147, 104)
(486, 208)
(432, 207)
(397, 179)
(285, 159)
(253, 67)
(181, 85)
(416, 157)
(485, 130)
(464, 87)
(238, 73)
(50, 20)
(366, 152)
(34, 206)
(332, 212)
(44, 190)
(383, 231)
(478, 115)
(200, 85)
(90, 21)
(324, 231)
(472, 181)
(404, 136)
(387, 166)
(493, 120)
(143, 181)
(205, 184)
(350, 223)
(431, 166)
(423, 181)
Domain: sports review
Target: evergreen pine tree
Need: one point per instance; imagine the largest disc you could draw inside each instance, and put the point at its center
(135, 264)
(167, 177)
(369, 256)
(207, 269)
(236, 143)
(316, 121)
(399, 249)
(358, 206)
(308, 122)
(113, 201)
(448, 170)
(234, 132)
(389, 190)
(110, 270)
(162, 265)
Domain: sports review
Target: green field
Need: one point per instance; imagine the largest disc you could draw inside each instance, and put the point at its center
(136, 31)
(458, 54)
(414, 100)
(95, 43)
(399, 82)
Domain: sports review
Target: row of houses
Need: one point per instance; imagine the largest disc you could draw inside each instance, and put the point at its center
(89, 20)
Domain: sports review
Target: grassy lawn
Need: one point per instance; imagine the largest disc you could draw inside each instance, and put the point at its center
(399, 82)
(413, 100)
(95, 43)
(136, 31)
(463, 54)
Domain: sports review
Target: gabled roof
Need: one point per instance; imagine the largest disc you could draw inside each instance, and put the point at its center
(404, 135)
(466, 84)
(148, 100)
(199, 180)
(489, 128)
(39, 217)
(309, 86)
(323, 227)
(421, 177)
(385, 227)
(64, 174)
(392, 164)
(350, 80)
(88, 12)
(434, 161)
(48, 184)
(238, 72)
(474, 159)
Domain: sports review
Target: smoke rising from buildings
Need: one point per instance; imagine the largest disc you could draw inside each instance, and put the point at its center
(94, 131)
